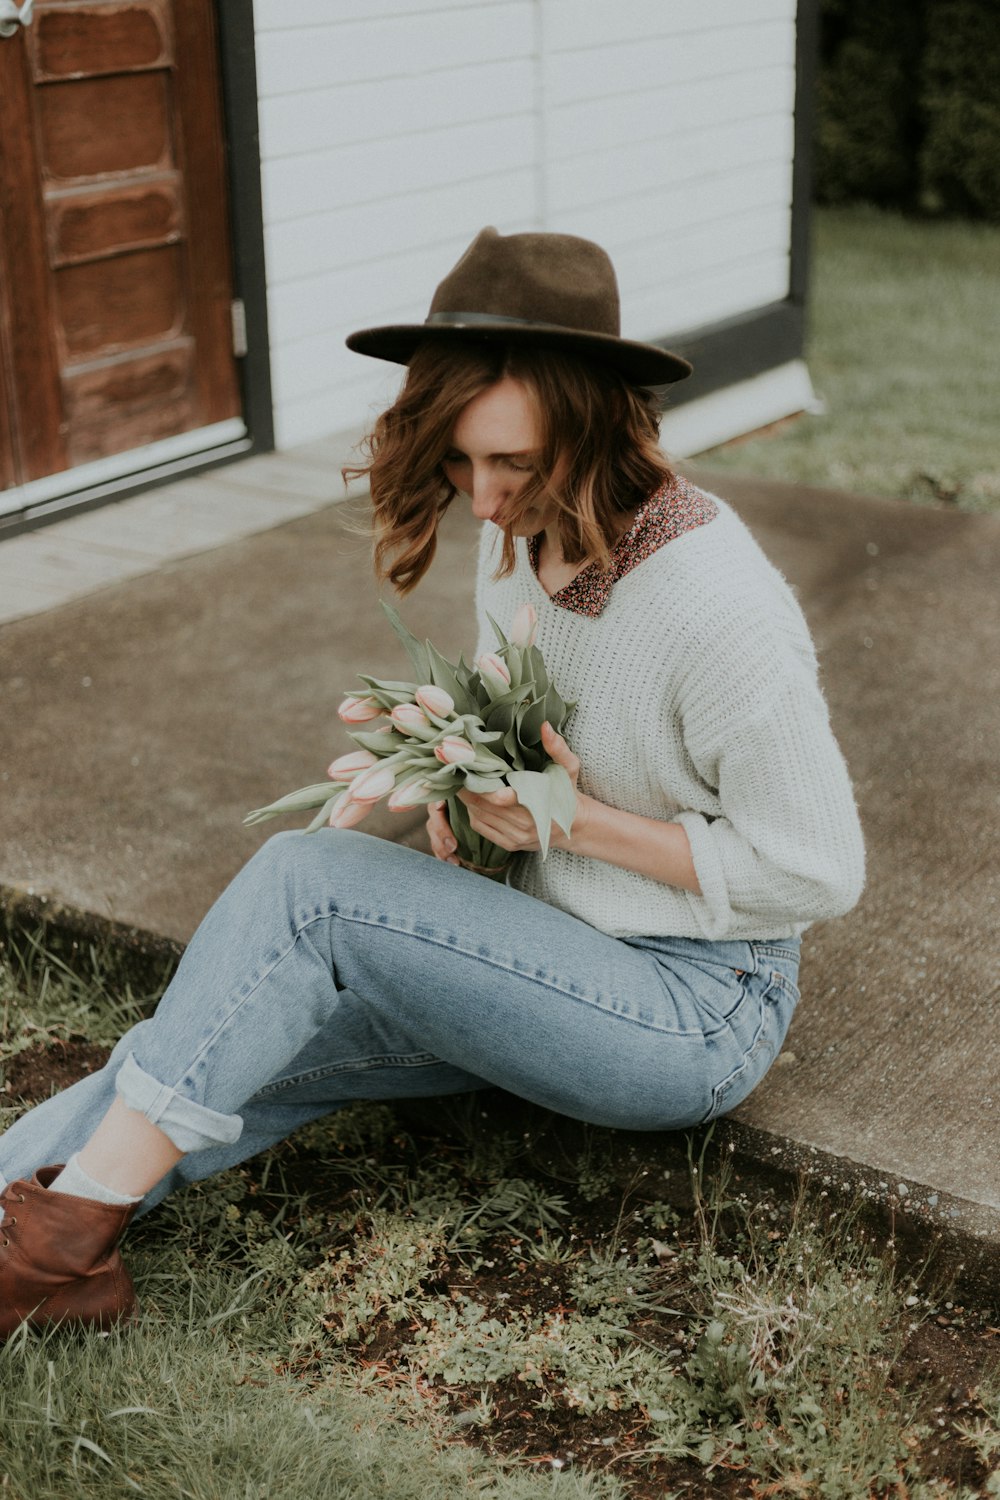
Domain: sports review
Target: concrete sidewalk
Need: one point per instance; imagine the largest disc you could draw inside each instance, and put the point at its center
(141, 721)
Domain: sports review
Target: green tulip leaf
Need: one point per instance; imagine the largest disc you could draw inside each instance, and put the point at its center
(380, 743)
(414, 650)
(443, 676)
(323, 816)
(501, 638)
(388, 694)
(477, 783)
(303, 800)
(563, 796)
(534, 791)
(531, 724)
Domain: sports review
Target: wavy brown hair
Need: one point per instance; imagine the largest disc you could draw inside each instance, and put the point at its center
(599, 433)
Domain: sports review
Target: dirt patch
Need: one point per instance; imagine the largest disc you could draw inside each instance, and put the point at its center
(40, 1072)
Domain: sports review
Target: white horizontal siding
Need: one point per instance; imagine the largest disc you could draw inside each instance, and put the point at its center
(653, 166)
(615, 222)
(346, 113)
(355, 233)
(576, 25)
(392, 130)
(279, 15)
(709, 298)
(597, 125)
(291, 61)
(666, 62)
(300, 186)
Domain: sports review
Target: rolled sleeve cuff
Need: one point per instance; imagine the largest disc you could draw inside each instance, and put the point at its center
(190, 1126)
(712, 908)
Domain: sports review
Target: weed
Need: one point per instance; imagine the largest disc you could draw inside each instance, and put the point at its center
(44, 998)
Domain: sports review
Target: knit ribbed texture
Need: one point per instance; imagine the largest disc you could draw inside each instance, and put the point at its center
(698, 702)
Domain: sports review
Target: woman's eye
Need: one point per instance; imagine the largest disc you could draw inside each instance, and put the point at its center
(519, 468)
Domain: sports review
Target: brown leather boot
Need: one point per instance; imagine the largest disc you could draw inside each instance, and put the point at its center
(58, 1260)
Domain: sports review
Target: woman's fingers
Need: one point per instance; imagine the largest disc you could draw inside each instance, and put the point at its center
(500, 817)
(560, 752)
(439, 832)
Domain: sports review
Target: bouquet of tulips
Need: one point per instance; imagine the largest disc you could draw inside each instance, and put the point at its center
(457, 726)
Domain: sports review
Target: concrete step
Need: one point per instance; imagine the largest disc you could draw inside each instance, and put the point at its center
(140, 723)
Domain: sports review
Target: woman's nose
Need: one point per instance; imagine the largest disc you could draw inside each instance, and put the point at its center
(487, 495)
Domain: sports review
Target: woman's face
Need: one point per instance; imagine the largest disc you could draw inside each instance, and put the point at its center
(496, 448)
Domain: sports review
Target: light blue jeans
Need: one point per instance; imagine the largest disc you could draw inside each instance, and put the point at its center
(338, 966)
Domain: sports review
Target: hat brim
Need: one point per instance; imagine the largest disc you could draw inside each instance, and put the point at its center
(643, 364)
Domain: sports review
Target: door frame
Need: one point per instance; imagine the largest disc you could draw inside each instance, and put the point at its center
(51, 499)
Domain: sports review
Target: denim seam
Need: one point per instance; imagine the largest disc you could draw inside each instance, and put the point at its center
(494, 963)
(776, 950)
(782, 981)
(362, 1065)
(234, 1009)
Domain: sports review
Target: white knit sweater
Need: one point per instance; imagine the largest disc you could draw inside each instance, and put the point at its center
(697, 703)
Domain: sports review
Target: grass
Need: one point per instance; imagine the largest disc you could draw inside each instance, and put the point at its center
(904, 322)
(375, 1309)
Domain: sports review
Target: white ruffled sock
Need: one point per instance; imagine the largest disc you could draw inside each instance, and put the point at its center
(75, 1181)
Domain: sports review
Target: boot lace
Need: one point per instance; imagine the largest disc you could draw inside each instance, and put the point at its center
(7, 1220)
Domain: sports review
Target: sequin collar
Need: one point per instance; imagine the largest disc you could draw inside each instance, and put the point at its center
(676, 507)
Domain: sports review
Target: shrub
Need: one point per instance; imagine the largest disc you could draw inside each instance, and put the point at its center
(868, 124)
(908, 114)
(960, 159)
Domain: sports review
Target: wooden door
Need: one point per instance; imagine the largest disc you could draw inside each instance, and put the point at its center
(115, 272)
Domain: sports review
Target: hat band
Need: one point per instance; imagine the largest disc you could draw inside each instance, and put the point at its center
(483, 320)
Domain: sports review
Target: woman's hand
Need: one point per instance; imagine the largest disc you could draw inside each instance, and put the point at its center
(439, 832)
(500, 817)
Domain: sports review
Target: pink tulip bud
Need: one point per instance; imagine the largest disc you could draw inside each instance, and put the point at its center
(494, 671)
(346, 767)
(408, 796)
(454, 751)
(409, 719)
(358, 710)
(435, 700)
(372, 784)
(338, 807)
(524, 625)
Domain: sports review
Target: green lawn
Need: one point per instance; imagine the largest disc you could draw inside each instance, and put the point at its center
(904, 333)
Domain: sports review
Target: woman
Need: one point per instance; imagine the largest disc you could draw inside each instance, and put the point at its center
(644, 974)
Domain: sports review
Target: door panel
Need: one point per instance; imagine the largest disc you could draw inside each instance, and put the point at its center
(83, 41)
(99, 127)
(121, 302)
(84, 225)
(147, 396)
(116, 206)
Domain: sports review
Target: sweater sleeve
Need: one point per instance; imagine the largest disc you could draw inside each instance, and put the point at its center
(787, 843)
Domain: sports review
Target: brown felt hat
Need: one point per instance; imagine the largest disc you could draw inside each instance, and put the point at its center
(553, 291)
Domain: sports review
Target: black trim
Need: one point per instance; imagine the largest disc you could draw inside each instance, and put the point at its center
(738, 349)
(238, 60)
(760, 340)
(806, 83)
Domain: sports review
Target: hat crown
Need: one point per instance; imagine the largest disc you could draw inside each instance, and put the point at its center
(555, 279)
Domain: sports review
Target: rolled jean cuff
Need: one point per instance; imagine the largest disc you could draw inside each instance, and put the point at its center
(190, 1126)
